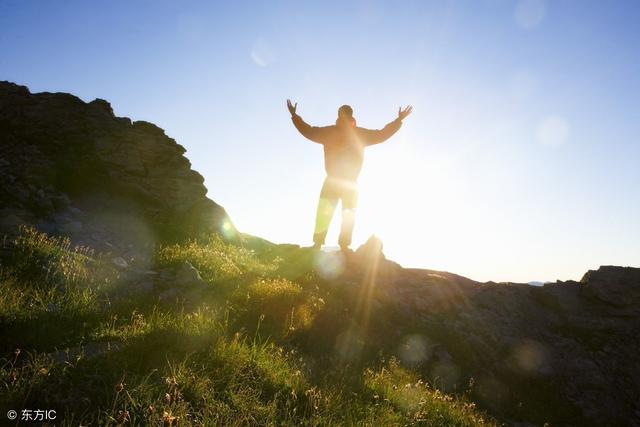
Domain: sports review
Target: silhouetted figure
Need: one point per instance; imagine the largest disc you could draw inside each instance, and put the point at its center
(344, 145)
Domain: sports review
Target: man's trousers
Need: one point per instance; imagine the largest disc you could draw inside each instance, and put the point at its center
(334, 190)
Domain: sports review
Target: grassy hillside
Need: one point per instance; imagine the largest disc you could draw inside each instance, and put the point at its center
(257, 339)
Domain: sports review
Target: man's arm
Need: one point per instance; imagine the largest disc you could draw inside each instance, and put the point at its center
(314, 133)
(371, 137)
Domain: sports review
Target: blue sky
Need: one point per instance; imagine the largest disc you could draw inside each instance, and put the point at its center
(520, 161)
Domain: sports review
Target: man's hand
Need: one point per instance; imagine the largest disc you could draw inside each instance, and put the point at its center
(402, 113)
(292, 107)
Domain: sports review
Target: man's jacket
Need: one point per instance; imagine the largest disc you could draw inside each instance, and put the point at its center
(344, 144)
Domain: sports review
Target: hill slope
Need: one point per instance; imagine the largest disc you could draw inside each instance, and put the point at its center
(147, 325)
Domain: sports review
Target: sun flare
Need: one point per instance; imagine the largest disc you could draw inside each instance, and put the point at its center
(400, 192)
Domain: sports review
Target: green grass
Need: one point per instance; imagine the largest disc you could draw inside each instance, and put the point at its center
(217, 261)
(257, 348)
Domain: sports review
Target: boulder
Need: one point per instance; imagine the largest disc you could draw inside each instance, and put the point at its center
(370, 250)
(119, 262)
(187, 274)
(619, 286)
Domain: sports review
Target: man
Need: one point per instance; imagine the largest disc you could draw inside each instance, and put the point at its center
(344, 145)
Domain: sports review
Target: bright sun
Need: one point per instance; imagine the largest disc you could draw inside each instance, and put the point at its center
(408, 201)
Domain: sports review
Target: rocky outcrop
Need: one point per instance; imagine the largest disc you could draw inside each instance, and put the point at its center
(74, 168)
(566, 352)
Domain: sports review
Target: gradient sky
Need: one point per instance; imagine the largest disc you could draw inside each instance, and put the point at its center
(520, 162)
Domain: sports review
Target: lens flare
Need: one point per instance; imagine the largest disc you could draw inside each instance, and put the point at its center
(349, 344)
(414, 350)
(329, 265)
(553, 131)
(531, 356)
(262, 53)
(528, 14)
(227, 229)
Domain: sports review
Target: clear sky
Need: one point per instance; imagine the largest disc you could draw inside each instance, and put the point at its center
(521, 160)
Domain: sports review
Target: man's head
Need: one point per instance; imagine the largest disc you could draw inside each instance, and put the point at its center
(345, 115)
(345, 112)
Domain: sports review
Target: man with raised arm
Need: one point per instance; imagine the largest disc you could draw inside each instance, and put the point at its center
(344, 145)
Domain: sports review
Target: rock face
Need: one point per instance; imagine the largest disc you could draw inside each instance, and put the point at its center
(74, 168)
(569, 349)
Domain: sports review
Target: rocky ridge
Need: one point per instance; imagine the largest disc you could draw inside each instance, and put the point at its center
(566, 348)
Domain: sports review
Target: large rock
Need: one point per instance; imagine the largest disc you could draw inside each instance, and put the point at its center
(187, 274)
(133, 182)
(619, 286)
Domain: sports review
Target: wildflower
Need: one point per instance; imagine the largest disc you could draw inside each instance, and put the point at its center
(168, 419)
(123, 417)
